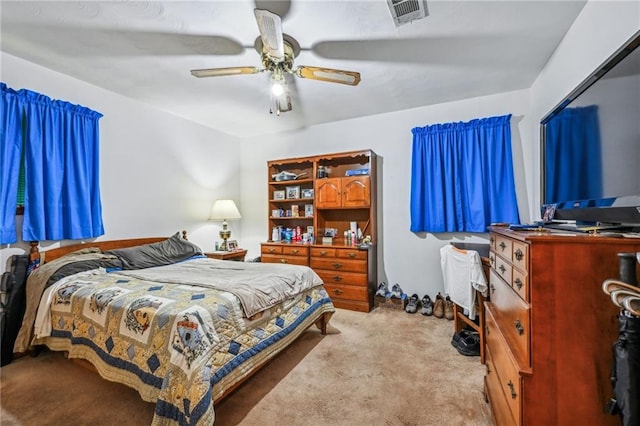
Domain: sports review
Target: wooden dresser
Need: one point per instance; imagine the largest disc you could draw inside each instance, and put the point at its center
(549, 327)
(346, 272)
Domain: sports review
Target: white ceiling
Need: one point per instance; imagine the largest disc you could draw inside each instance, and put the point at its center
(145, 50)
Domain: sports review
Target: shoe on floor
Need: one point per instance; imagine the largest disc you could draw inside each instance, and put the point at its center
(427, 306)
(383, 289)
(469, 345)
(412, 306)
(461, 335)
(448, 308)
(396, 291)
(438, 306)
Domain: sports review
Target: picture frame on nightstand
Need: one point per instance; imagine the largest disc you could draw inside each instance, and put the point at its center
(232, 245)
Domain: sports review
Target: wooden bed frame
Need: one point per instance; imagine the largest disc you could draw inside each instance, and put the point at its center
(48, 255)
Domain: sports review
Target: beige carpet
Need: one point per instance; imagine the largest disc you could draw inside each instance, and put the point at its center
(386, 367)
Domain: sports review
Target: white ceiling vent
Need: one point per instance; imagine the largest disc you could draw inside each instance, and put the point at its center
(405, 11)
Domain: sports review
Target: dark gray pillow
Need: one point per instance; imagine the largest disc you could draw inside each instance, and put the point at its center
(84, 265)
(171, 250)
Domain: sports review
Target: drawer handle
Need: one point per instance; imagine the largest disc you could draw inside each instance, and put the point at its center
(492, 259)
(323, 253)
(492, 287)
(337, 291)
(491, 240)
(502, 245)
(502, 269)
(271, 250)
(486, 330)
(519, 327)
(513, 389)
(519, 255)
(295, 251)
(337, 265)
(518, 283)
(283, 261)
(352, 255)
(337, 278)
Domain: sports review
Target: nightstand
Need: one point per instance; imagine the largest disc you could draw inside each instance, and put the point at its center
(237, 255)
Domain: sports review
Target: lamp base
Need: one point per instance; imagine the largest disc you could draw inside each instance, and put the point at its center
(224, 234)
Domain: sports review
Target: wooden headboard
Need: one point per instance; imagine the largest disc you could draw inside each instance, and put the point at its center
(49, 255)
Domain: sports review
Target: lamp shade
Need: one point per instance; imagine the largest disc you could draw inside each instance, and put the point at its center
(224, 210)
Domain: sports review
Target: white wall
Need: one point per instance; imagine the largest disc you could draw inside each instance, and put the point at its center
(412, 260)
(159, 173)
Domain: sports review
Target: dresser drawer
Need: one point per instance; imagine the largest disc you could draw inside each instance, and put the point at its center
(500, 409)
(503, 269)
(504, 246)
(520, 283)
(352, 254)
(274, 249)
(347, 292)
(338, 264)
(323, 252)
(291, 260)
(295, 251)
(521, 255)
(512, 317)
(340, 277)
(506, 372)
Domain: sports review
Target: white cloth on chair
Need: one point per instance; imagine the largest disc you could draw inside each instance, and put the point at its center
(463, 275)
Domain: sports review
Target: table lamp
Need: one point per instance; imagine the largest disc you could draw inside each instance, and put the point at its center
(223, 210)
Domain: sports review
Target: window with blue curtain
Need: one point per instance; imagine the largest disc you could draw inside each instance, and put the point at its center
(462, 176)
(59, 142)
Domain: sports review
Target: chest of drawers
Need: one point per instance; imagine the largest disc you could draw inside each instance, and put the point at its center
(549, 327)
(347, 274)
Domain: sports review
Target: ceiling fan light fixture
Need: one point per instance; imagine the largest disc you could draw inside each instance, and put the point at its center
(278, 82)
(277, 89)
(277, 53)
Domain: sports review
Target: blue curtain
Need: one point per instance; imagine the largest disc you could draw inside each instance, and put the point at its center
(10, 150)
(462, 176)
(61, 148)
(573, 133)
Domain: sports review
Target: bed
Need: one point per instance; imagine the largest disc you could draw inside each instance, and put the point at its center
(156, 315)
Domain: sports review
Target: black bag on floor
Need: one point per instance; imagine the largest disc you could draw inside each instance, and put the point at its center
(626, 370)
(12, 304)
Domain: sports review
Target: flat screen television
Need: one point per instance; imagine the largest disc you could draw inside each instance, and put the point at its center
(590, 147)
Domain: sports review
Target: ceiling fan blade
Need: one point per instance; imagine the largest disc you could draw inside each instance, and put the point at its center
(270, 26)
(486, 50)
(219, 72)
(350, 78)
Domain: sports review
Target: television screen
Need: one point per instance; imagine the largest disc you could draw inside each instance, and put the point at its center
(590, 163)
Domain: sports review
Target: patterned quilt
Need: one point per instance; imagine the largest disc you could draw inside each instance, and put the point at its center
(178, 345)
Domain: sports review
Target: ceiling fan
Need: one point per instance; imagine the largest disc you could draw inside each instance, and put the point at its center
(278, 51)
